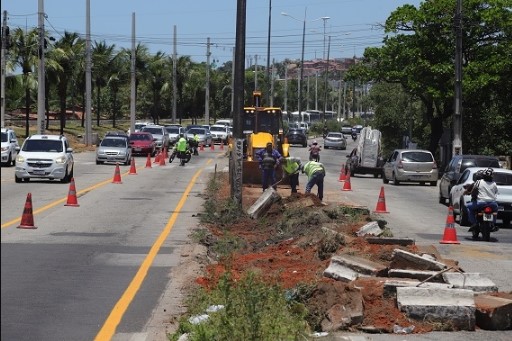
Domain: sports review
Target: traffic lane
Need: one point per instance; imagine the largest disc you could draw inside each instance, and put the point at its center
(102, 250)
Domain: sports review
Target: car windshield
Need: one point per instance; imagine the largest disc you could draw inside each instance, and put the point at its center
(217, 129)
(50, 146)
(335, 135)
(502, 179)
(4, 137)
(154, 131)
(140, 137)
(119, 143)
(417, 157)
(197, 131)
(173, 130)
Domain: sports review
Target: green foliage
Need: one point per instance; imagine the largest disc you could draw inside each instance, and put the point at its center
(252, 310)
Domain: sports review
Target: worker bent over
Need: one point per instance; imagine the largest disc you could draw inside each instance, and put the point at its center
(316, 174)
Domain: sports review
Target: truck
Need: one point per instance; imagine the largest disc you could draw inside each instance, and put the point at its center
(261, 125)
(366, 157)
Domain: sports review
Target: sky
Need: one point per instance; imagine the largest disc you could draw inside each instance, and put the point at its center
(352, 25)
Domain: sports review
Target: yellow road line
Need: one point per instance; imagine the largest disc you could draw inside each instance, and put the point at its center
(108, 329)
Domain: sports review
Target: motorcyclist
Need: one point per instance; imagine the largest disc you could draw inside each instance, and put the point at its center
(195, 144)
(181, 147)
(354, 135)
(314, 151)
(483, 193)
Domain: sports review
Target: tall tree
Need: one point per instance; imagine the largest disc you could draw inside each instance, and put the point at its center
(102, 55)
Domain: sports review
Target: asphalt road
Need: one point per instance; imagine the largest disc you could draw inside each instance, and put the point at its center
(98, 271)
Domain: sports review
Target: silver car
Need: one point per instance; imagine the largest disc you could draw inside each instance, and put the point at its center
(174, 132)
(204, 135)
(114, 149)
(160, 134)
(335, 140)
(410, 165)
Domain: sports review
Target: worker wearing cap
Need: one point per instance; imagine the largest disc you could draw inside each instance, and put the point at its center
(269, 160)
(316, 174)
(291, 168)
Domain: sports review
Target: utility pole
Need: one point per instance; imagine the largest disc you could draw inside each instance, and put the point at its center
(88, 77)
(272, 84)
(457, 117)
(5, 41)
(326, 84)
(256, 73)
(270, 93)
(207, 85)
(233, 85)
(236, 158)
(174, 76)
(41, 73)
(286, 89)
(133, 93)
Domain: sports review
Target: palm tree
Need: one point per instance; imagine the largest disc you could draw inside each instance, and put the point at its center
(102, 55)
(25, 49)
(119, 75)
(159, 81)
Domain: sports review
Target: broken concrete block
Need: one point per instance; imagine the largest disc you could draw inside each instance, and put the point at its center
(390, 241)
(370, 228)
(341, 316)
(361, 265)
(404, 260)
(416, 274)
(390, 285)
(335, 234)
(471, 281)
(493, 313)
(452, 307)
(264, 202)
(340, 272)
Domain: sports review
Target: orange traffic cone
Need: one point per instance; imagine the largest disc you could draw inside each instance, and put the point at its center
(117, 175)
(343, 176)
(346, 185)
(157, 157)
(148, 161)
(221, 145)
(162, 158)
(450, 234)
(201, 147)
(133, 170)
(212, 146)
(27, 219)
(72, 199)
(381, 203)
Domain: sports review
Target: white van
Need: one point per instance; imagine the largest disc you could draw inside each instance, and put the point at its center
(226, 122)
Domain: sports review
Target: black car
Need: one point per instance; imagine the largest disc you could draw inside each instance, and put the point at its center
(455, 168)
(297, 136)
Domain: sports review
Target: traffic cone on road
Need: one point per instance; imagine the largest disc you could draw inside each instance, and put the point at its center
(221, 145)
(27, 219)
(201, 147)
(72, 199)
(133, 170)
(117, 175)
(346, 185)
(450, 233)
(162, 158)
(381, 203)
(148, 161)
(157, 157)
(212, 146)
(343, 176)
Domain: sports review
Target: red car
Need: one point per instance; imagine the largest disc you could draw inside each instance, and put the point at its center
(142, 143)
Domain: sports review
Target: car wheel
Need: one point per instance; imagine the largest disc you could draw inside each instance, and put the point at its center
(98, 162)
(66, 178)
(441, 199)
(17, 180)
(395, 181)
(506, 222)
(325, 147)
(463, 212)
(9, 160)
(422, 183)
(433, 183)
(384, 180)
(26, 179)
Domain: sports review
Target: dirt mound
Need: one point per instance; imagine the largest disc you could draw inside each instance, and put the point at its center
(292, 246)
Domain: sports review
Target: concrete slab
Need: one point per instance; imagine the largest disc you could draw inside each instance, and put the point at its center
(416, 274)
(391, 285)
(452, 307)
(361, 265)
(372, 228)
(390, 241)
(493, 313)
(471, 281)
(407, 260)
(340, 316)
(340, 272)
(264, 202)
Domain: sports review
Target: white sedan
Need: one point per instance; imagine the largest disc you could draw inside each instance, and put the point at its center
(503, 179)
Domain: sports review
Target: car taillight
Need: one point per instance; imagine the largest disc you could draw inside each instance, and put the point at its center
(400, 165)
(434, 166)
(488, 210)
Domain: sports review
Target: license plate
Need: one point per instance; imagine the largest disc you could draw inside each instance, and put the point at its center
(137, 149)
(488, 217)
(501, 208)
(38, 172)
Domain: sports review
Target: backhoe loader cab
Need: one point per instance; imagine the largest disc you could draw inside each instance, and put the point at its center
(261, 125)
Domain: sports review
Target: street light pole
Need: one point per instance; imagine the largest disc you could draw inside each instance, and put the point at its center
(325, 20)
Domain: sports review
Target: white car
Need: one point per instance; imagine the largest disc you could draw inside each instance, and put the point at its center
(44, 157)
(220, 133)
(503, 179)
(9, 145)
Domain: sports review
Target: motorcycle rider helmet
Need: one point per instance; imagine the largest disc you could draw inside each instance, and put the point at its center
(487, 174)
(314, 142)
(479, 175)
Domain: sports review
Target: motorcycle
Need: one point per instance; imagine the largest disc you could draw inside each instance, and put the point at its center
(485, 218)
(183, 160)
(354, 136)
(314, 154)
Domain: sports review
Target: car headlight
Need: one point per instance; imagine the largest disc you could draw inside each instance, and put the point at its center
(4, 149)
(20, 159)
(122, 152)
(61, 160)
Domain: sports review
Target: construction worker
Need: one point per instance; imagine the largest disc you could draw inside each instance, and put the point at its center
(291, 168)
(181, 148)
(196, 144)
(269, 160)
(316, 174)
